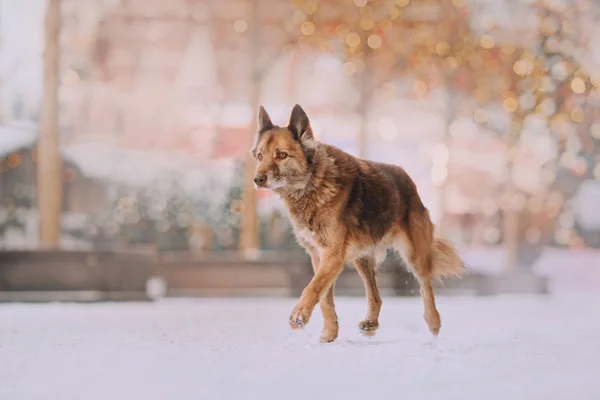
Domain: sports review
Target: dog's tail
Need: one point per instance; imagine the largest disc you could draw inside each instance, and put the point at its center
(445, 261)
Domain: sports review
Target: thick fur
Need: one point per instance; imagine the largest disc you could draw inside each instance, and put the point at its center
(446, 262)
(345, 208)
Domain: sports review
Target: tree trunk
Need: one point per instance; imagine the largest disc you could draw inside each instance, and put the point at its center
(249, 225)
(49, 168)
(450, 115)
(364, 101)
(511, 238)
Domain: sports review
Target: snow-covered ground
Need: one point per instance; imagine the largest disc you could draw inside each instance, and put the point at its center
(489, 348)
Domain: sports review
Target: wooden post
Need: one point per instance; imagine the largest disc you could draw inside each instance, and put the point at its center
(365, 99)
(249, 225)
(49, 166)
(446, 141)
(510, 218)
(511, 238)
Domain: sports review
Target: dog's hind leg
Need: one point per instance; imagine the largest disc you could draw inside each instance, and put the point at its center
(431, 314)
(366, 269)
(417, 246)
(330, 320)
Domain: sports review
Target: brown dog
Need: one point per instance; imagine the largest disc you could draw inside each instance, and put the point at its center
(345, 208)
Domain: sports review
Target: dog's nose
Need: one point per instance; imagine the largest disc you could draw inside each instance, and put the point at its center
(260, 180)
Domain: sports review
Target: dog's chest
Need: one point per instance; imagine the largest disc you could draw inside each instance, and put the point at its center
(311, 223)
(307, 236)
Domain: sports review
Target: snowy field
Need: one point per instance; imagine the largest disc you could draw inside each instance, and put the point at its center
(489, 348)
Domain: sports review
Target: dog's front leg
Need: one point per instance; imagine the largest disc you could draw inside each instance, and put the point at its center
(330, 320)
(331, 263)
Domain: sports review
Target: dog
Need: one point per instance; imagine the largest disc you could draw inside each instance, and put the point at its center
(344, 208)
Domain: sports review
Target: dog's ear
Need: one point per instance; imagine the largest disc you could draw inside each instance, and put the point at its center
(264, 121)
(264, 124)
(299, 124)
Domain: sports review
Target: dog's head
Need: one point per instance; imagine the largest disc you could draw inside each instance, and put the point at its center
(284, 155)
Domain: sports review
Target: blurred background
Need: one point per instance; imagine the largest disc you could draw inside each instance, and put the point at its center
(125, 127)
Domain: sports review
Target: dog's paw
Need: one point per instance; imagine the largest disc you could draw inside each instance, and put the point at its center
(368, 327)
(433, 322)
(328, 336)
(299, 318)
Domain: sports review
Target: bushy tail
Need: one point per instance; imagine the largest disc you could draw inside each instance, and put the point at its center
(445, 261)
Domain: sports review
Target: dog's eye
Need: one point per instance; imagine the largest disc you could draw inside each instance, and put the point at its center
(259, 157)
(281, 155)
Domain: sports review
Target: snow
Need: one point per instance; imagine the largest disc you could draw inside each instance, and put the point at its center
(567, 269)
(13, 138)
(570, 270)
(489, 347)
(148, 168)
(28, 238)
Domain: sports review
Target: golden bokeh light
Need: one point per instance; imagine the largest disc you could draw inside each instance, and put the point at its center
(240, 25)
(547, 107)
(578, 85)
(510, 104)
(442, 48)
(298, 17)
(523, 67)
(342, 30)
(353, 39)
(374, 41)
(307, 28)
(487, 41)
(419, 87)
(577, 114)
(488, 22)
(385, 24)
(367, 23)
(311, 7)
(480, 116)
(507, 48)
(451, 62)
(14, 160)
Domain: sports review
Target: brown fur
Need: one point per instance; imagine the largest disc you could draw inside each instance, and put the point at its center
(345, 208)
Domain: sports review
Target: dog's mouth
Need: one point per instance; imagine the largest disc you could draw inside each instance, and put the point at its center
(263, 187)
(270, 185)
